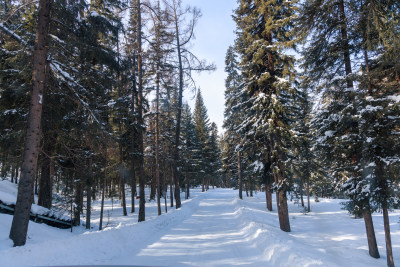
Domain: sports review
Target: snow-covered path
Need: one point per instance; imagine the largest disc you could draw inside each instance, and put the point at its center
(214, 228)
(212, 236)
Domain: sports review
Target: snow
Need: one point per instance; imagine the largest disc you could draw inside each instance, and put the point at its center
(8, 195)
(329, 133)
(258, 166)
(213, 228)
(395, 98)
(14, 35)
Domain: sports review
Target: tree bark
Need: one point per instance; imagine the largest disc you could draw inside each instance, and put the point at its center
(345, 42)
(301, 194)
(187, 188)
(179, 113)
(369, 227)
(46, 179)
(283, 211)
(142, 200)
(12, 175)
(240, 175)
(308, 195)
(157, 141)
(89, 194)
(19, 227)
(388, 239)
(16, 175)
(268, 196)
(103, 191)
(78, 200)
(171, 191)
(133, 144)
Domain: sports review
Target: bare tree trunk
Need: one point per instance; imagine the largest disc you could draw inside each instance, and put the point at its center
(240, 175)
(369, 227)
(133, 178)
(202, 185)
(268, 195)
(171, 191)
(12, 175)
(142, 200)
(121, 155)
(46, 179)
(133, 135)
(157, 137)
(36, 184)
(78, 199)
(19, 227)
(251, 188)
(301, 193)
(283, 211)
(103, 191)
(16, 175)
(187, 188)
(345, 42)
(122, 184)
(89, 194)
(179, 111)
(388, 239)
(165, 194)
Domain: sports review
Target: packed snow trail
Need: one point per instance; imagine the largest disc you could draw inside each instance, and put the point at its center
(213, 228)
(212, 236)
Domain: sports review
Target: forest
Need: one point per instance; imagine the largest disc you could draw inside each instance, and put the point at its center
(92, 108)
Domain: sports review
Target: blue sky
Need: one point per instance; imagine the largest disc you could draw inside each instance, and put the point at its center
(214, 34)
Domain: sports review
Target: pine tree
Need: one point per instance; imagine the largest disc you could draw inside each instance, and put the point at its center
(265, 29)
(202, 124)
(19, 227)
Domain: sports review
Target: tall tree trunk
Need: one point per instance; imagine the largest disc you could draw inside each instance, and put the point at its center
(12, 175)
(78, 196)
(388, 239)
(369, 227)
(240, 175)
(122, 188)
(345, 42)
(171, 191)
(187, 187)
(268, 196)
(157, 141)
(36, 183)
(89, 194)
(121, 155)
(133, 139)
(283, 211)
(16, 175)
(382, 183)
(103, 190)
(19, 227)
(46, 179)
(142, 200)
(308, 195)
(179, 112)
(301, 194)
(202, 185)
(165, 194)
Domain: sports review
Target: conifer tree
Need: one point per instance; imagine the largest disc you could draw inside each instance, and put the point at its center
(202, 124)
(19, 227)
(265, 29)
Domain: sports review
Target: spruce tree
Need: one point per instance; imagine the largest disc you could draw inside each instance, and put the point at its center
(265, 30)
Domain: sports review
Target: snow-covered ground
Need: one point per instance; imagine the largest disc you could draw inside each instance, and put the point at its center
(214, 228)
